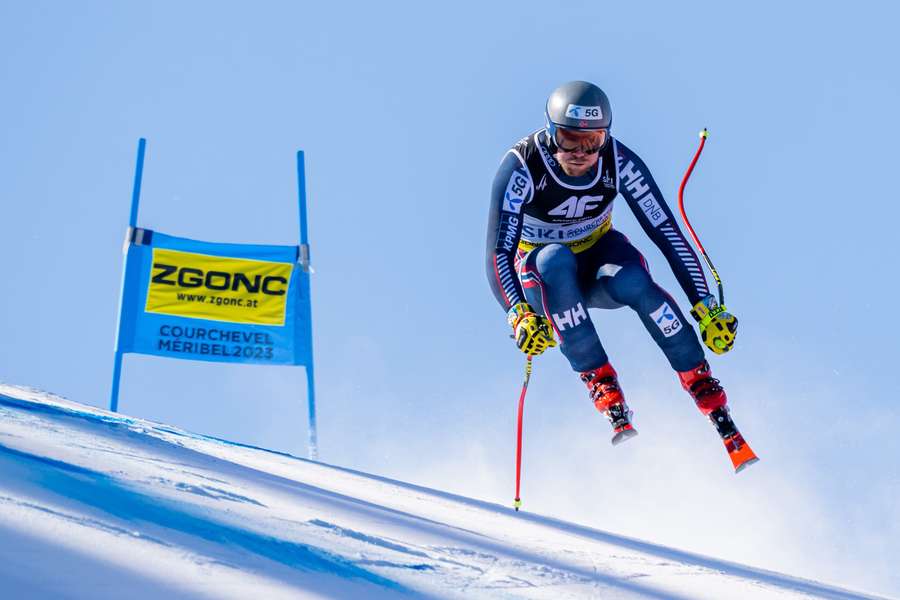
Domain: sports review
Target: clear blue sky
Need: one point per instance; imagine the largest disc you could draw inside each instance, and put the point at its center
(404, 111)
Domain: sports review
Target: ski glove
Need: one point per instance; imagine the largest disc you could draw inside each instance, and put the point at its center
(718, 327)
(531, 331)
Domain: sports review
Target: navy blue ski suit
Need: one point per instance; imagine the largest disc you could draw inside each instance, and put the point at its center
(550, 242)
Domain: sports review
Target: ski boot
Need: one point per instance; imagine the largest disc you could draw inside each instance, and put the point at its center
(607, 396)
(710, 399)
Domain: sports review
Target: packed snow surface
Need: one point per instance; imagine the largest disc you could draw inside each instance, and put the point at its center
(98, 505)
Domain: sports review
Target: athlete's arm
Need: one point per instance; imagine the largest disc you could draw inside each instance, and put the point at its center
(643, 196)
(511, 190)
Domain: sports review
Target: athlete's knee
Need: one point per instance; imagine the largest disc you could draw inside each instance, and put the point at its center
(554, 260)
(630, 283)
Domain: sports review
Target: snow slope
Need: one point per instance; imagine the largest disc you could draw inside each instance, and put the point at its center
(98, 505)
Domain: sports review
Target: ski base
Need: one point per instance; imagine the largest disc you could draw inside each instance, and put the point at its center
(624, 433)
(740, 453)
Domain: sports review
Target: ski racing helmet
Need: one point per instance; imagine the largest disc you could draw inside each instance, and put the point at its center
(577, 106)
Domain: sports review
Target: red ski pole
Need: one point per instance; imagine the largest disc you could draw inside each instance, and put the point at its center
(703, 135)
(518, 500)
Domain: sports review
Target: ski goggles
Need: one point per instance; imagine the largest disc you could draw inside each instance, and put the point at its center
(574, 140)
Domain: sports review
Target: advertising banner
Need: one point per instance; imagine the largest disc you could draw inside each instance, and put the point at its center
(238, 303)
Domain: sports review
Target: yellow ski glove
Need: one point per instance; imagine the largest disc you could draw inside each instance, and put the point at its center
(532, 332)
(718, 327)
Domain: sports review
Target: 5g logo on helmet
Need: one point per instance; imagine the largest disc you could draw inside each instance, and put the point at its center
(588, 113)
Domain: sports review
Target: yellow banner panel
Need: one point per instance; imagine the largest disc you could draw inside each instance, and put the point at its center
(218, 288)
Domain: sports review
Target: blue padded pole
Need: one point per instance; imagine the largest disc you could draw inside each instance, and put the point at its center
(132, 223)
(305, 263)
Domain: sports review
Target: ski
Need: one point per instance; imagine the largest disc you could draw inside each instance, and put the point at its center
(619, 417)
(623, 433)
(739, 451)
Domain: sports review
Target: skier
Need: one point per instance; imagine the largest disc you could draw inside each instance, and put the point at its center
(552, 253)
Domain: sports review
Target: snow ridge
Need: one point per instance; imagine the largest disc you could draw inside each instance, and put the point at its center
(94, 503)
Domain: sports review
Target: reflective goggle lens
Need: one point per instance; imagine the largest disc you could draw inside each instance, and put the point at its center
(589, 142)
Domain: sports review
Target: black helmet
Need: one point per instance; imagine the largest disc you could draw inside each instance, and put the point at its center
(577, 105)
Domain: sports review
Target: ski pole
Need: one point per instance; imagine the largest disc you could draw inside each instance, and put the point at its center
(703, 135)
(517, 503)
